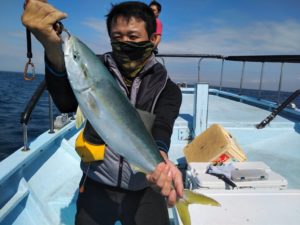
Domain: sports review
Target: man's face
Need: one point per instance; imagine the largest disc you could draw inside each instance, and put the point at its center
(133, 30)
(155, 10)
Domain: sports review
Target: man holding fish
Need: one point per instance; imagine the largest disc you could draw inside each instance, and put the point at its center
(112, 189)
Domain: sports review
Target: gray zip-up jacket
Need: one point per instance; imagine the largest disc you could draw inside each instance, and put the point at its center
(151, 91)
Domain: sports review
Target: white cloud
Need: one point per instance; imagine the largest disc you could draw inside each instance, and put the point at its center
(17, 34)
(13, 54)
(99, 41)
(13, 46)
(96, 24)
(254, 39)
(259, 38)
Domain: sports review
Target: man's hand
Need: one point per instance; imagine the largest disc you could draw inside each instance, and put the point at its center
(39, 17)
(168, 179)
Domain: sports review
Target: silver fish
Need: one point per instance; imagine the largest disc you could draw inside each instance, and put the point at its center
(113, 116)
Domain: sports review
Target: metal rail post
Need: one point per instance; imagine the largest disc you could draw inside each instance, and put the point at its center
(199, 62)
(25, 138)
(221, 79)
(51, 121)
(25, 115)
(200, 108)
(280, 83)
(261, 78)
(242, 78)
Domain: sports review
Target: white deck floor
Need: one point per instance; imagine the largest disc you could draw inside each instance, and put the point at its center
(38, 182)
(278, 144)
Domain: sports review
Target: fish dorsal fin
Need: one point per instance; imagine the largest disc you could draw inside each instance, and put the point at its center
(80, 119)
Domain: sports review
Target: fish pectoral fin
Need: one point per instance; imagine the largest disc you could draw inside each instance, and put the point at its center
(79, 117)
(136, 168)
(183, 211)
(196, 198)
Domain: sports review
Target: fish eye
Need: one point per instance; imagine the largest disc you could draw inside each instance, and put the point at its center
(76, 56)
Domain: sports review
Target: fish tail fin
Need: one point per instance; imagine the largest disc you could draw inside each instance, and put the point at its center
(196, 198)
(190, 197)
(79, 117)
(182, 207)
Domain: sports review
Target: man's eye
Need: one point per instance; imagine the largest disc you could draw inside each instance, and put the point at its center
(133, 37)
(116, 38)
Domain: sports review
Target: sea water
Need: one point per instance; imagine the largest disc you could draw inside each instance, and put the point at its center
(15, 93)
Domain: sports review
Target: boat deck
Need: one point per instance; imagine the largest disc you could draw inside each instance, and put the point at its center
(44, 180)
(277, 144)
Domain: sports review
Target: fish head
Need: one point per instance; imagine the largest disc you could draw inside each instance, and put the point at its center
(76, 56)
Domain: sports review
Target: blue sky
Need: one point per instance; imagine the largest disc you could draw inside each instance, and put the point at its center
(231, 27)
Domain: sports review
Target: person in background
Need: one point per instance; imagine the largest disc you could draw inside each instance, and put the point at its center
(156, 8)
(110, 189)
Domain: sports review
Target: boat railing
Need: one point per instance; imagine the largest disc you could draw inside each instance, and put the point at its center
(243, 59)
(26, 114)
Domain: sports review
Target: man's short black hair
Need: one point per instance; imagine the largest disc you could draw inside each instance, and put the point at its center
(155, 3)
(132, 9)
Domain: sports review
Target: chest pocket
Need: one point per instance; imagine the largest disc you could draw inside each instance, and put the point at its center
(88, 152)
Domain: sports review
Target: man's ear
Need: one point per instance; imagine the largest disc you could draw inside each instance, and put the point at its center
(153, 38)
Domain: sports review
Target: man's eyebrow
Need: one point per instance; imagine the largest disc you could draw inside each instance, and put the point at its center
(116, 33)
(137, 32)
(134, 32)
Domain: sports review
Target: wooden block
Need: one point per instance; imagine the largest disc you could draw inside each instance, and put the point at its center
(214, 145)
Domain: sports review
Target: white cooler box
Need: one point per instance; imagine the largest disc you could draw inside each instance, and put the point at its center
(248, 207)
(197, 174)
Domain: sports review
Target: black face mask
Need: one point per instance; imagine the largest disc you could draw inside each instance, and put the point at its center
(131, 56)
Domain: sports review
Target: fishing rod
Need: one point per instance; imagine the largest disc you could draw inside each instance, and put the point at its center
(58, 27)
(29, 53)
(276, 111)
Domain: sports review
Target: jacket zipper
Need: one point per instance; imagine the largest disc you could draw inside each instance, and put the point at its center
(120, 172)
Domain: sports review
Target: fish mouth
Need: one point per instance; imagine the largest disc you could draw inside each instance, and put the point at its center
(66, 47)
(67, 43)
(66, 37)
